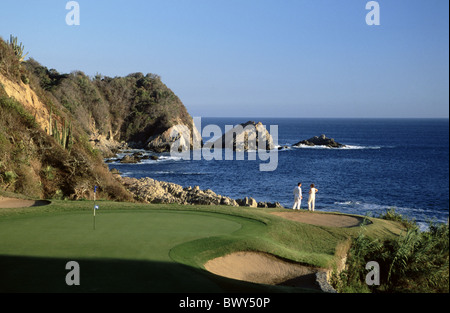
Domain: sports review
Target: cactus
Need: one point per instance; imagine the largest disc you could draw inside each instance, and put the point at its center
(56, 132)
(50, 131)
(69, 140)
(18, 48)
(63, 137)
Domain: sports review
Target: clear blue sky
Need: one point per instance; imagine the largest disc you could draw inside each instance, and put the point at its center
(255, 58)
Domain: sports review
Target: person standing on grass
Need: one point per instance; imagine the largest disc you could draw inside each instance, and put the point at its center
(298, 196)
(312, 198)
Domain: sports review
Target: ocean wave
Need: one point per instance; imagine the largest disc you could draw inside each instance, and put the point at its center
(351, 147)
(285, 147)
(347, 202)
(346, 147)
(420, 216)
(179, 173)
(169, 158)
(377, 207)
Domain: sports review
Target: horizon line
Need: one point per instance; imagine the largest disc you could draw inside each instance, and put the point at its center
(281, 117)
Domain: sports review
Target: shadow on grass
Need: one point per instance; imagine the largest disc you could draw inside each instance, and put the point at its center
(48, 275)
(34, 274)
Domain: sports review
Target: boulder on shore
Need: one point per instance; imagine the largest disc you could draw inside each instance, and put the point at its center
(149, 190)
(130, 159)
(322, 140)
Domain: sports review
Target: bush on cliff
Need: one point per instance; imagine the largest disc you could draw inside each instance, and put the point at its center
(416, 261)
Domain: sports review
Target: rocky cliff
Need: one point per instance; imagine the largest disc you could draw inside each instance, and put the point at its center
(52, 123)
(137, 110)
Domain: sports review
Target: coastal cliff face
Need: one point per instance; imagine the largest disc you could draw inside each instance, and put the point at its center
(179, 137)
(53, 126)
(138, 110)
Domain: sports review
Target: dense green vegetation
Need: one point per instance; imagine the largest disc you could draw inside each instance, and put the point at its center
(61, 162)
(35, 164)
(130, 109)
(416, 261)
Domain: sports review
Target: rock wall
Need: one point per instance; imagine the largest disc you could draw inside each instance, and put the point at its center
(28, 98)
(179, 137)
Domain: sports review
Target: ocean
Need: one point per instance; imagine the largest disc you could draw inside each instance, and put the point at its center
(387, 163)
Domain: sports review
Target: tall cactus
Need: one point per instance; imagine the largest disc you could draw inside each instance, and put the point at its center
(50, 131)
(64, 134)
(56, 134)
(18, 48)
(63, 137)
(69, 137)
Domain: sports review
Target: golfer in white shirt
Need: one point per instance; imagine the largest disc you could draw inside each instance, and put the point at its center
(298, 196)
(312, 198)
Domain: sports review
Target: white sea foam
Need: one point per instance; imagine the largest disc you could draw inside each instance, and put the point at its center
(351, 147)
(348, 203)
(179, 173)
(347, 147)
(169, 158)
(420, 216)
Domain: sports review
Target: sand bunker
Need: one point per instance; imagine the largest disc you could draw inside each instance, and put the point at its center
(10, 203)
(322, 219)
(263, 268)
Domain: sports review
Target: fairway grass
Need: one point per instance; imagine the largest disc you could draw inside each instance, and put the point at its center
(155, 248)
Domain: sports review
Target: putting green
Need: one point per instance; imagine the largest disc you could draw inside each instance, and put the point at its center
(154, 248)
(126, 246)
(139, 235)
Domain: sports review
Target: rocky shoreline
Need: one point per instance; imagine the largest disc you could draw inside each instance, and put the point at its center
(148, 190)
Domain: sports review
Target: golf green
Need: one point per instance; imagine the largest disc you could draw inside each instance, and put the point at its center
(128, 250)
(155, 248)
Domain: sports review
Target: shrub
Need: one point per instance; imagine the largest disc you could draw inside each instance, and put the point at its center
(392, 215)
(9, 177)
(414, 262)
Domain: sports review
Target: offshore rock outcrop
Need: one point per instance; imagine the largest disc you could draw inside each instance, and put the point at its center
(245, 137)
(322, 140)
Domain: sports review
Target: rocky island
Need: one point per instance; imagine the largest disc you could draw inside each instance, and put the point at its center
(321, 140)
(245, 137)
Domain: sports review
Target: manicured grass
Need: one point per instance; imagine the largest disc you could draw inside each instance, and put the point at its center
(152, 248)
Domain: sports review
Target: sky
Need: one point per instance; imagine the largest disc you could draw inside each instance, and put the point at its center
(254, 58)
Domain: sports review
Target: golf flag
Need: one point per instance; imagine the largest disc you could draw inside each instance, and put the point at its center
(95, 206)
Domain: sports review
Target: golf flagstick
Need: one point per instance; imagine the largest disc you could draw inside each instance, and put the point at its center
(95, 207)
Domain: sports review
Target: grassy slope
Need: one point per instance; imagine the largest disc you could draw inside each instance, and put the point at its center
(152, 248)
